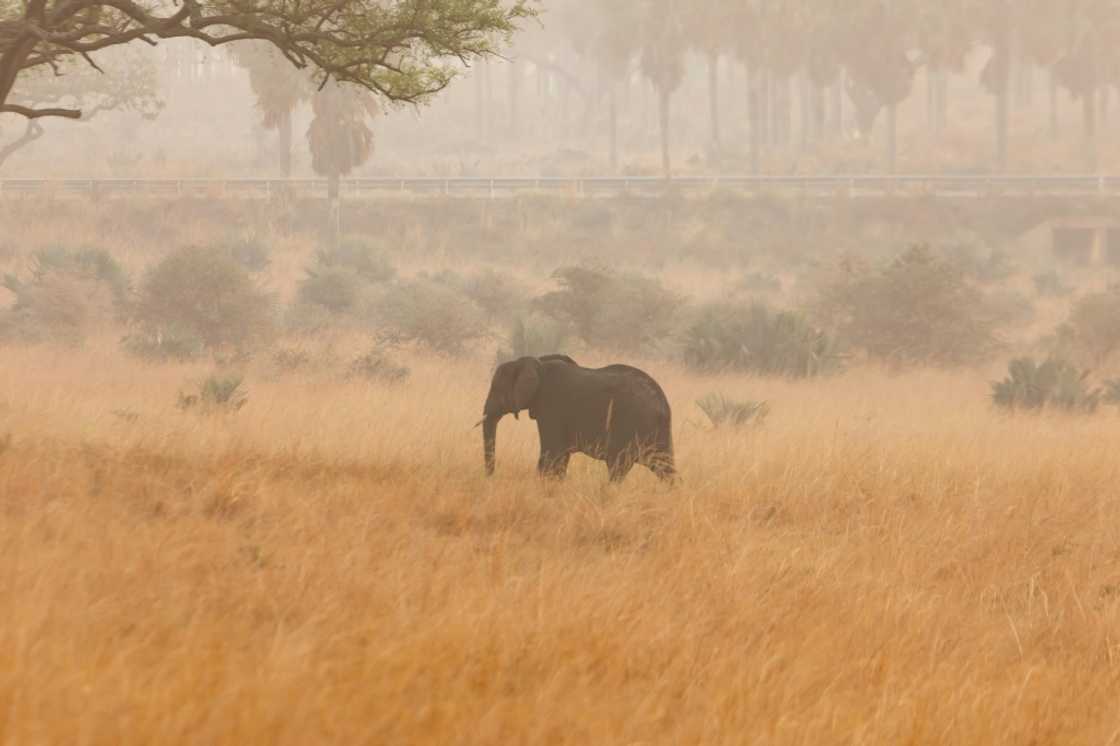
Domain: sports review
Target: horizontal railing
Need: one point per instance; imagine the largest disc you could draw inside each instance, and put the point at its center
(852, 185)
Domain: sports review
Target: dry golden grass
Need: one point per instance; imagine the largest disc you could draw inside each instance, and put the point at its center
(886, 561)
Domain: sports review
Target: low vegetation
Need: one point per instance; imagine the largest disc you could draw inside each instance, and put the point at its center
(919, 308)
(1053, 383)
(722, 411)
(755, 339)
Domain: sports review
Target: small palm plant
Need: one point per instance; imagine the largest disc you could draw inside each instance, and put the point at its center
(216, 394)
(723, 411)
(1112, 391)
(1054, 383)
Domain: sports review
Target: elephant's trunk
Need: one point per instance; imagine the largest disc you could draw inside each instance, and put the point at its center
(489, 438)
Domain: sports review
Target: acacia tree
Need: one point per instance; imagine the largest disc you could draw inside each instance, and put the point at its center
(279, 88)
(401, 50)
(129, 84)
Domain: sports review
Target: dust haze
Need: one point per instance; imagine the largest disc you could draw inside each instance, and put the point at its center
(867, 254)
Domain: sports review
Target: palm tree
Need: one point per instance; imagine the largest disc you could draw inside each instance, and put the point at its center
(661, 57)
(279, 88)
(876, 47)
(340, 136)
(943, 34)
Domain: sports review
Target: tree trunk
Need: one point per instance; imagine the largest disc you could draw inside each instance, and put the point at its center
(931, 97)
(488, 113)
(1054, 124)
(764, 112)
(613, 123)
(942, 101)
(514, 100)
(892, 136)
(754, 118)
(480, 102)
(713, 100)
(286, 144)
(1001, 130)
(663, 100)
(1089, 112)
(803, 113)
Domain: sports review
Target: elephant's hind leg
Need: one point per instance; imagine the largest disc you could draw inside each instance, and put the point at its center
(619, 468)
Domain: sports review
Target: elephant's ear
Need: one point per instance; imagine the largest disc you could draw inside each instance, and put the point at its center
(526, 384)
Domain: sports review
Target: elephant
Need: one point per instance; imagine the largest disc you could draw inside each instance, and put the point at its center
(617, 414)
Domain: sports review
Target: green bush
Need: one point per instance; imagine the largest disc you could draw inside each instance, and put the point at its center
(1055, 383)
(215, 394)
(917, 309)
(250, 253)
(1049, 284)
(723, 411)
(168, 343)
(377, 365)
(499, 295)
(622, 312)
(68, 294)
(360, 257)
(337, 289)
(724, 336)
(1094, 325)
(431, 315)
(203, 294)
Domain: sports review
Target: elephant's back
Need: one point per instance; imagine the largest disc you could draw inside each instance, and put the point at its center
(642, 385)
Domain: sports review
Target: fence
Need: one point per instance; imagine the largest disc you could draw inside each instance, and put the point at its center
(820, 186)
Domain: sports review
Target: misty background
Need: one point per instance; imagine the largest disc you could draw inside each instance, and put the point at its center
(633, 87)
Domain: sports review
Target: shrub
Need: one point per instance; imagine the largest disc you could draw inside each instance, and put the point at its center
(1112, 391)
(499, 295)
(336, 289)
(622, 312)
(376, 365)
(164, 344)
(1094, 324)
(91, 264)
(250, 253)
(427, 313)
(67, 294)
(205, 294)
(215, 394)
(1050, 284)
(289, 359)
(1054, 383)
(917, 309)
(532, 336)
(723, 411)
(755, 339)
(759, 283)
(57, 308)
(360, 257)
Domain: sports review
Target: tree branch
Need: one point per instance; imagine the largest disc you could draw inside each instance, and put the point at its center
(30, 113)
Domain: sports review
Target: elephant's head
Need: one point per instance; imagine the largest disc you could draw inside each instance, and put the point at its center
(514, 387)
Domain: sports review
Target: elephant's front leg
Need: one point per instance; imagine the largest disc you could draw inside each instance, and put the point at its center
(553, 465)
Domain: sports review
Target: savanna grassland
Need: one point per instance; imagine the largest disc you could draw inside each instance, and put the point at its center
(886, 558)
